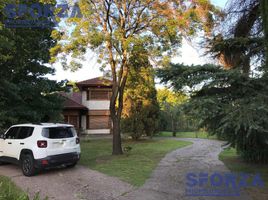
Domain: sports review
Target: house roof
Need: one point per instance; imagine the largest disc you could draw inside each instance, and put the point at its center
(73, 101)
(98, 81)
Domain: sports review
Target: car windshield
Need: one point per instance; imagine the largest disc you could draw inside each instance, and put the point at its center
(58, 132)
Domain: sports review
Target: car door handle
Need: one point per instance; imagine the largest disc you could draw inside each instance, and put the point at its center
(9, 142)
(22, 143)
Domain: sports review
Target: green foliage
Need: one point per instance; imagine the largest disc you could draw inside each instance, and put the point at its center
(167, 97)
(72, 85)
(9, 191)
(239, 40)
(264, 15)
(232, 160)
(230, 104)
(141, 110)
(172, 116)
(26, 94)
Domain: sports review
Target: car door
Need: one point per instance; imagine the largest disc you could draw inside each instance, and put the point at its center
(24, 132)
(1, 145)
(9, 147)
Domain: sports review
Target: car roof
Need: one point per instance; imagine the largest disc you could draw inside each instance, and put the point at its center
(46, 125)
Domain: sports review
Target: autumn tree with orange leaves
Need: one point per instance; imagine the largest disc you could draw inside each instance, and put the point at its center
(113, 28)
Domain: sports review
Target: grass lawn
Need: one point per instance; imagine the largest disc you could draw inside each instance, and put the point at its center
(236, 164)
(203, 135)
(9, 191)
(133, 167)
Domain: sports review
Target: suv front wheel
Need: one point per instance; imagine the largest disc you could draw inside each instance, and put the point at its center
(27, 165)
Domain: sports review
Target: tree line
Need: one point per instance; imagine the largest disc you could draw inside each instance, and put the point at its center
(26, 95)
(132, 39)
(232, 102)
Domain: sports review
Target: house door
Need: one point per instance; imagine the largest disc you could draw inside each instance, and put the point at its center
(73, 120)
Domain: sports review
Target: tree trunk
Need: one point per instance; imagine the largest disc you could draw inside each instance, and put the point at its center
(116, 112)
(117, 147)
(174, 134)
(173, 126)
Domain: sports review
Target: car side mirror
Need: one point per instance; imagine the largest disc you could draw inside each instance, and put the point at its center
(2, 136)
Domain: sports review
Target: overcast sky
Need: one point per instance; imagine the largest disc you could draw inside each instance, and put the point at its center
(90, 69)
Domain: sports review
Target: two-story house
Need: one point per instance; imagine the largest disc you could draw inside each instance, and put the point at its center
(88, 110)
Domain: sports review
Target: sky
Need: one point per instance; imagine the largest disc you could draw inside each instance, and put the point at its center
(90, 68)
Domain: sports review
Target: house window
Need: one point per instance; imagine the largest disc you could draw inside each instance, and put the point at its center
(98, 95)
(88, 95)
(99, 122)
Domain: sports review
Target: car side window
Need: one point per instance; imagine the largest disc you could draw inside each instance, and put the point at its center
(12, 133)
(25, 132)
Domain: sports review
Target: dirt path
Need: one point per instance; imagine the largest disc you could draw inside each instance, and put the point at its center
(69, 184)
(168, 180)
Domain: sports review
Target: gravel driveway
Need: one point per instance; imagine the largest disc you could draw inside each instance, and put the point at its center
(68, 184)
(167, 182)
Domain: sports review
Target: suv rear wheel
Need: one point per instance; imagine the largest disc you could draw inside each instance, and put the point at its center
(27, 165)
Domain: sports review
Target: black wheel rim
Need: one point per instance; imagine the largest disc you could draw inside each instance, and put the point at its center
(26, 165)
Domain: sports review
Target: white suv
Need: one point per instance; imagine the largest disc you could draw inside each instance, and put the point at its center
(40, 146)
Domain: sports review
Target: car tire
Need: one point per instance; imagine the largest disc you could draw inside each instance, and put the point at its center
(3, 163)
(72, 165)
(27, 165)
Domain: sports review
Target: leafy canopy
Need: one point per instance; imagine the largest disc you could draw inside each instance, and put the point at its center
(231, 100)
(141, 109)
(25, 94)
(155, 25)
